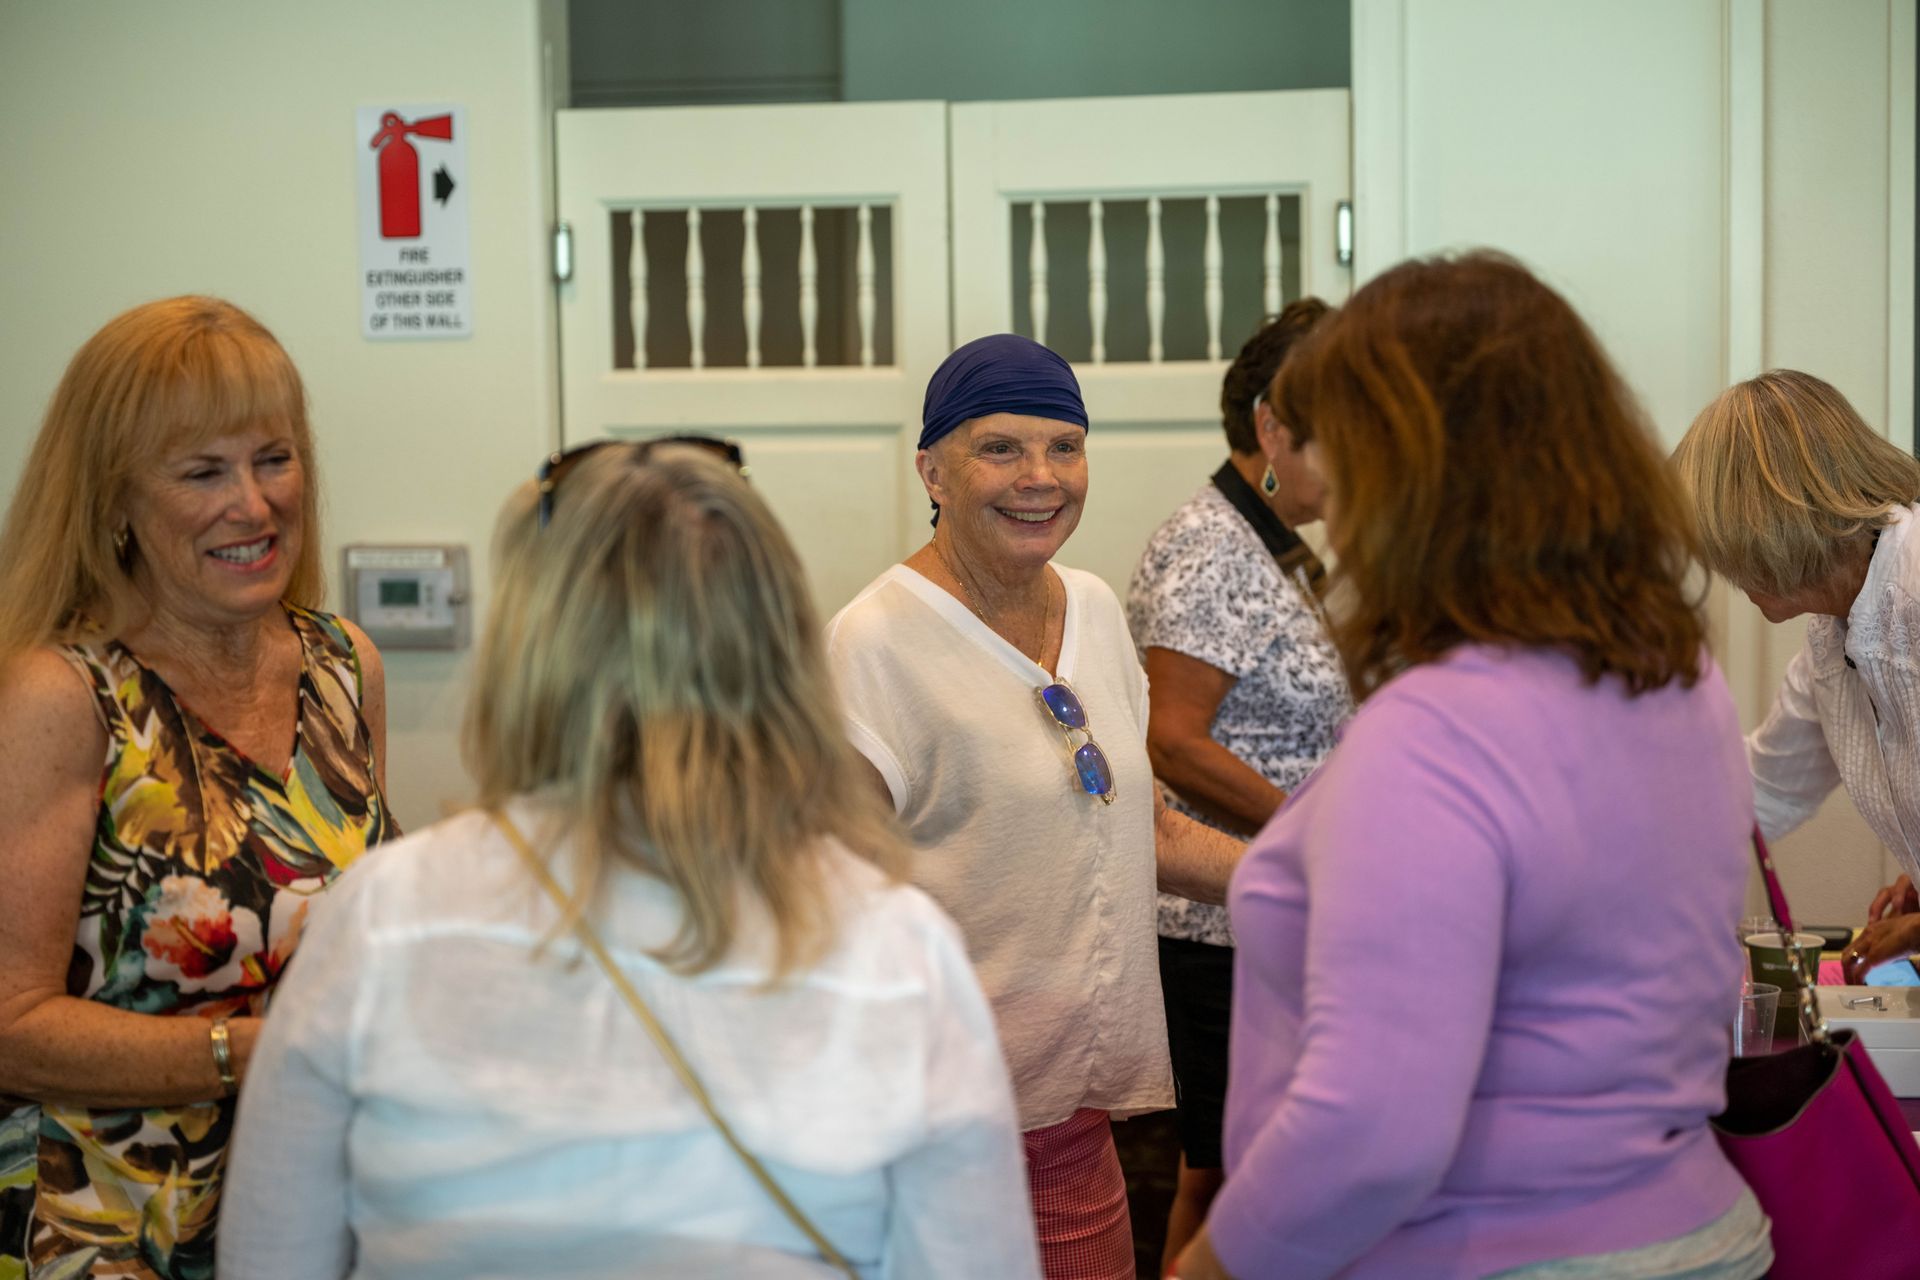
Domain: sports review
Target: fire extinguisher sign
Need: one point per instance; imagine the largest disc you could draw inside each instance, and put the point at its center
(414, 276)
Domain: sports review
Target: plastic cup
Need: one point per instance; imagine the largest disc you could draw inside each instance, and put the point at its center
(1770, 962)
(1753, 1028)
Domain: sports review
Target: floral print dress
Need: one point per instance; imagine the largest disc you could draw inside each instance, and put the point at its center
(202, 871)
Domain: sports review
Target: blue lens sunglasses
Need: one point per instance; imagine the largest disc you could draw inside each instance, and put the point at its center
(1090, 765)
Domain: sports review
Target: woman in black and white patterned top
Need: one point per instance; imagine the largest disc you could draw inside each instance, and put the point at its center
(1246, 694)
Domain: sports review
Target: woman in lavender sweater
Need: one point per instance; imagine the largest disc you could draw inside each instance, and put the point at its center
(1483, 983)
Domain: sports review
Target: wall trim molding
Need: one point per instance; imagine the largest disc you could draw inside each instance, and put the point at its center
(1902, 31)
(1745, 169)
(1379, 136)
(1744, 297)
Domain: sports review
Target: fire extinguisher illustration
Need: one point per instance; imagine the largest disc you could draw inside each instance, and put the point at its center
(400, 171)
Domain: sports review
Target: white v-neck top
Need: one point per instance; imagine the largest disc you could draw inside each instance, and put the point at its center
(1053, 890)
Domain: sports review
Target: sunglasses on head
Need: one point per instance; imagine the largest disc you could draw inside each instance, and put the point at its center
(1089, 761)
(558, 465)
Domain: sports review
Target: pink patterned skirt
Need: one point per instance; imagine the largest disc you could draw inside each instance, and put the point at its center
(1079, 1200)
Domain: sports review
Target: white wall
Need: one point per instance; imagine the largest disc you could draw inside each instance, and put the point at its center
(161, 148)
(1717, 185)
(1836, 300)
(1829, 138)
(1585, 140)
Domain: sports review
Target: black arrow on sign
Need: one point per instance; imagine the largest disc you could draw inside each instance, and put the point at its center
(442, 185)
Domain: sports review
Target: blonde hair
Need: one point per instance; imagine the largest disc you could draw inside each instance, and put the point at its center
(1783, 474)
(653, 664)
(166, 376)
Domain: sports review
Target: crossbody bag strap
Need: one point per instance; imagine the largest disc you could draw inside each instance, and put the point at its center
(1810, 1020)
(668, 1050)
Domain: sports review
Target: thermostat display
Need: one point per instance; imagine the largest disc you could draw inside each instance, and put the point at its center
(399, 592)
(409, 597)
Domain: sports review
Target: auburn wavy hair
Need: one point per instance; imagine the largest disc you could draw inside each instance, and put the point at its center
(1491, 480)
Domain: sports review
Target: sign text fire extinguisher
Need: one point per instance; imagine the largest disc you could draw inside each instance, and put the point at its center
(414, 260)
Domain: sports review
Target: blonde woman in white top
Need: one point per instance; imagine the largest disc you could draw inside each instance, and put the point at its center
(999, 698)
(447, 1087)
(1810, 511)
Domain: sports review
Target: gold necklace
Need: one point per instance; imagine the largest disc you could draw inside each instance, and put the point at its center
(973, 602)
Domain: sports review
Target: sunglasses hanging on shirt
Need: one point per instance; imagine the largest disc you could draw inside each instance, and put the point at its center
(1090, 764)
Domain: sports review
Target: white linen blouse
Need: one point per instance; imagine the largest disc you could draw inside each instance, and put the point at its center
(1849, 709)
(1053, 890)
(434, 1095)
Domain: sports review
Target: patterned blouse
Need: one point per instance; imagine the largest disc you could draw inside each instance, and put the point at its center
(202, 867)
(1209, 588)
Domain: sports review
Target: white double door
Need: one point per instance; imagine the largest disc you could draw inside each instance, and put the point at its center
(789, 277)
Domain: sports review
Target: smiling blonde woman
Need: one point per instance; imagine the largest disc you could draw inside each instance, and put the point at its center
(193, 753)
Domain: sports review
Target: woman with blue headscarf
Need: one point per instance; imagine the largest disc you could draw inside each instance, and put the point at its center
(998, 697)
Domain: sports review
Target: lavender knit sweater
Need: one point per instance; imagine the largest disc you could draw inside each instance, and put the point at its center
(1485, 972)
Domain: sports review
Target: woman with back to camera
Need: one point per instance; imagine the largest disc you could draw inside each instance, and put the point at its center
(1808, 510)
(1246, 693)
(448, 1087)
(1454, 1056)
(998, 698)
(192, 753)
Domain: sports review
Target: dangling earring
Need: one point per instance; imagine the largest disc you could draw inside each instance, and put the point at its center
(1269, 483)
(122, 540)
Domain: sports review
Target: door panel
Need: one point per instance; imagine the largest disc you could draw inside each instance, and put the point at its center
(782, 275)
(1145, 238)
(773, 274)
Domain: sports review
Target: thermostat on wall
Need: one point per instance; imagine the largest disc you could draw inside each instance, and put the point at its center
(409, 597)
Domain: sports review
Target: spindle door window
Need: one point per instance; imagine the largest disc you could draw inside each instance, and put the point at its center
(1138, 278)
(798, 286)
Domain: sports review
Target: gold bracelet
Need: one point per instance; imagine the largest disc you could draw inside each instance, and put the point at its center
(222, 1040)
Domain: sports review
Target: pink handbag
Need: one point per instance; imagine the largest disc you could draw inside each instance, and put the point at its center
(1818, 1136)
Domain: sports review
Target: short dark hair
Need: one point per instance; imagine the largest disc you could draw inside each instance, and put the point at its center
(1256, 364)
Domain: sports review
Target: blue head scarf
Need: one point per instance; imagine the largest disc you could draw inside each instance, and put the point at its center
(1000, 373)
